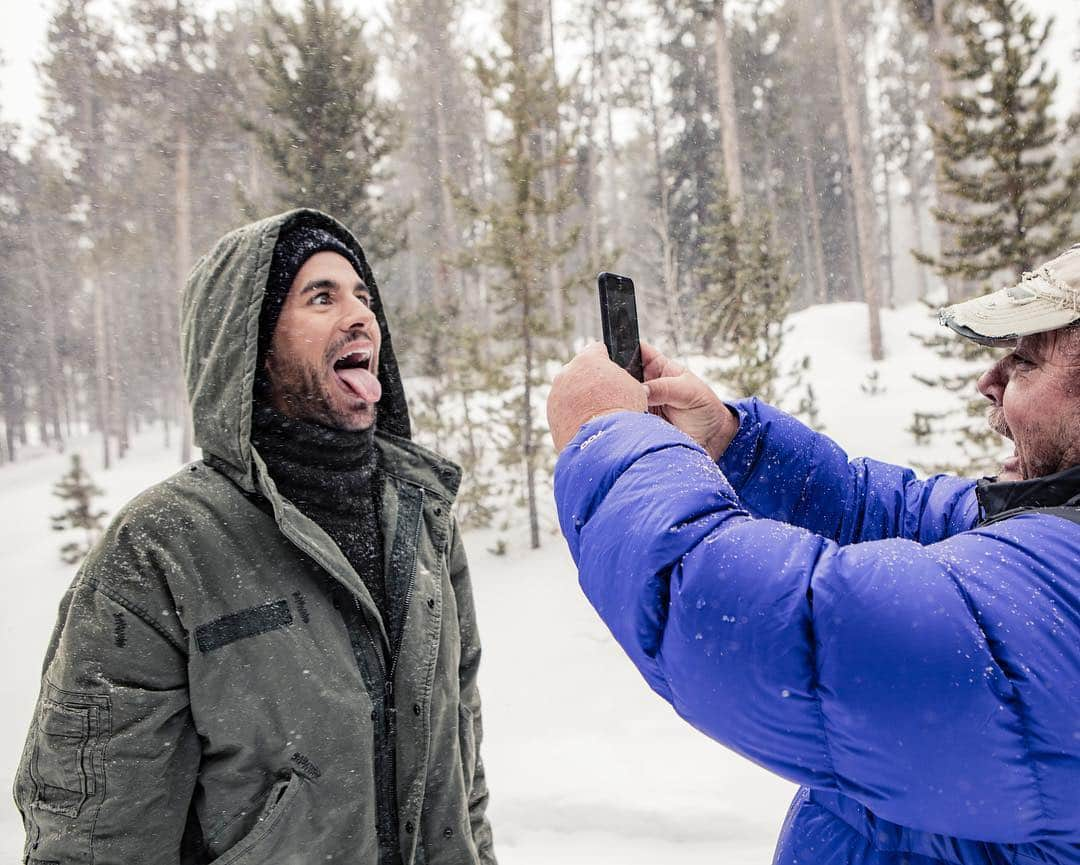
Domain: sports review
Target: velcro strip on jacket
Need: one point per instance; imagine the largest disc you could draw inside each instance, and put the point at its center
(240, 625)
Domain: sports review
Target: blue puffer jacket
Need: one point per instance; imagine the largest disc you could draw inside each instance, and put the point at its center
(846, 626)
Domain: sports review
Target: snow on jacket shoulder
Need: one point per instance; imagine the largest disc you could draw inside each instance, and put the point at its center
(921, 677)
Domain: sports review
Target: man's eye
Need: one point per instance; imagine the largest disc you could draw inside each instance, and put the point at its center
(321, 298)
(364, 298)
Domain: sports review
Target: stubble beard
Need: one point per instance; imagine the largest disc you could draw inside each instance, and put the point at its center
(305, 393)
(1048, 455)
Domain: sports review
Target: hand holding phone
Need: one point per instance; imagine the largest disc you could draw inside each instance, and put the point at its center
(618, 315)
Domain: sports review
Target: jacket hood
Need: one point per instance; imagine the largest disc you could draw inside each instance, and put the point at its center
(219, 337)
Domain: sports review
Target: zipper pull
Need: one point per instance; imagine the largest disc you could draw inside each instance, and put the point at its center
(389, 688)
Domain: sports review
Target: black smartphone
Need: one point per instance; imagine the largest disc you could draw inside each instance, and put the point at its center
(618, 314)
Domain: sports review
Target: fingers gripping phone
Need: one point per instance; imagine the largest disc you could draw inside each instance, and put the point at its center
(618, 314)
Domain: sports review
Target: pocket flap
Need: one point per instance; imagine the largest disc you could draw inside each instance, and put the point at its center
(56, 719)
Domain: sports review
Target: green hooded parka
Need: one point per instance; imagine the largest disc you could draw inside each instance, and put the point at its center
(220, 686)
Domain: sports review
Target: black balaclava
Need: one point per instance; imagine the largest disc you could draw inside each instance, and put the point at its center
(330, 475)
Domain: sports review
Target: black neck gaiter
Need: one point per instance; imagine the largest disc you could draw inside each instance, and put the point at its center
(331, 476)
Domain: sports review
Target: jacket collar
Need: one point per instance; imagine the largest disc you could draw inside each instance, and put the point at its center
(408, 461)
(1052, 491)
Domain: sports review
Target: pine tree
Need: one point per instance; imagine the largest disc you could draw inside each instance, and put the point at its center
(327, 133)
(77, 488)
(745, 299)
(717, 305)
(999, 148)
(519, 80)
(453, 414)
(1017, 203)
(757, 333)
(694, 169)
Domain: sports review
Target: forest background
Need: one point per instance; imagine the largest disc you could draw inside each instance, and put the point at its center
(742, 159)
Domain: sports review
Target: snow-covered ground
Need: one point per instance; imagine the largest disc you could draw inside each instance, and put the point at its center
(585, 764)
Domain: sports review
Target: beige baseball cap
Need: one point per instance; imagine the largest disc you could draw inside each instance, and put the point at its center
(1044, 299)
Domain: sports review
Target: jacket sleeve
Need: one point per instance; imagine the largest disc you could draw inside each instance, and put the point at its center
(785, 471)
(470, 698)
(937, 685)
(109, 765)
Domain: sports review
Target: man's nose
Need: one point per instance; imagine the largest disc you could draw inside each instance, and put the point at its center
(358, 315)
(992, 383)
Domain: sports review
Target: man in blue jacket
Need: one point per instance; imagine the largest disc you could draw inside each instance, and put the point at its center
(906, 650)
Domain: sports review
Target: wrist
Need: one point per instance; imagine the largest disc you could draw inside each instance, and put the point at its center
(725, 432)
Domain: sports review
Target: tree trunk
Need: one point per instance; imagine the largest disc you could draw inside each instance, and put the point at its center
(51, 401)
(890, 294)
(553, 187)
(522, 275)
(90, 275)
(117, 393)
(729, 123)
(662, 225)
(915, 199)
(588, 322)
(939, 90)
(611, 193)
(9, 407)
(485, 173)
(445, 281)
(183, 267)
(768, 166)
(101, 366)
(66, 399)
(528, 438)
(820, 277)
(865, 221)
(817, 248)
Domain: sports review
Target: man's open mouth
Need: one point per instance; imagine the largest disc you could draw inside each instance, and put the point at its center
(359, 358)
(353, 370)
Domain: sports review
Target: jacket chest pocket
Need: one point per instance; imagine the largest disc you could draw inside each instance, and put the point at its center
(63, 762)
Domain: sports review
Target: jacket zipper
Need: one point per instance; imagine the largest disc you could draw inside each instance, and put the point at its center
(404, 619)
(385, 756)
(388, 785)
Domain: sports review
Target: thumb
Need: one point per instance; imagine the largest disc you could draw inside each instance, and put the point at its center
(675, 391)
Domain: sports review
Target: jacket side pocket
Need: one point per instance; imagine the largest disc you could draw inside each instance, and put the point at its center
(253, 847)
(66, 760)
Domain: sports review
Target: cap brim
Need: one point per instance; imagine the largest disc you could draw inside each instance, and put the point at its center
(1001, 318)
(995, 341)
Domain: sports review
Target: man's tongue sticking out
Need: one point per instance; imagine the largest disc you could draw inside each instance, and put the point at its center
(362, 383)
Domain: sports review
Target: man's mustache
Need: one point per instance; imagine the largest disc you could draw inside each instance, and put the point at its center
(353, 335)
(995, 419)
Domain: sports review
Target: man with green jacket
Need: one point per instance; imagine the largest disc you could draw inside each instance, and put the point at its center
(271, 657)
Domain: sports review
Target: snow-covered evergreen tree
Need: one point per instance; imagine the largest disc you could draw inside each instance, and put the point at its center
(1016, 202)
(1015, 199)
(326, 131)
(518, 78)
(78, 490)
(745, 298)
